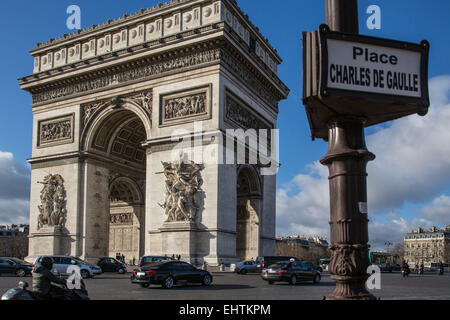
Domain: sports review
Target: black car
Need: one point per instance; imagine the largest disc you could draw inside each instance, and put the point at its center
(313, 266)
(15, 266)
(150, 259)
(291, 272)
(262, 262)
(111, 265)
(169, 273)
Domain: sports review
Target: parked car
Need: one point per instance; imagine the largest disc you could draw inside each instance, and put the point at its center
(15, 266)
(262, 262)
(291, 272)
(168, 273)
(111, 265)
(244, 267)
(150, 259)
(385, 267)
(62, 263)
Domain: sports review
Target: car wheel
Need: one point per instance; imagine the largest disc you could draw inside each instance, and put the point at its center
(84, 274)
(121, 271)
(145, 285)
(316, 279)
(243, 272)
(168, 283)
(20, 273)
(293, 280)
(206, 280)
(270, 282)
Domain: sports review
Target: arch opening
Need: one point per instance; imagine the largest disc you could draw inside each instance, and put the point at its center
(248, 215)
(114, 142)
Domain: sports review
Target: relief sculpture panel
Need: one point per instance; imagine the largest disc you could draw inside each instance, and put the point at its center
(185, 106)
(55, 131)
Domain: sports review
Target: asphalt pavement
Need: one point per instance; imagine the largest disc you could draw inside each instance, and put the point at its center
(229, 286)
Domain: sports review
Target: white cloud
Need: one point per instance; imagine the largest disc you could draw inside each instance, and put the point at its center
(14, 190)
(307, 212)
(393, 230)
(438, 210)
(413, 163)
(413, 155)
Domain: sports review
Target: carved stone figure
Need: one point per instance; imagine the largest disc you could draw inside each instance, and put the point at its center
(183, 181)
(185, 106)
(55, 131)
(143, 100)
(121, 218)
(52, 211)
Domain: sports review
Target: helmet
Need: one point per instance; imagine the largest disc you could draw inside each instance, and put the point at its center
(47, 263)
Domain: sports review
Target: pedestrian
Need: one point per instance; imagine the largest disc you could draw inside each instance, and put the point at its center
(205, 265)
(173, 256)
(179, 257)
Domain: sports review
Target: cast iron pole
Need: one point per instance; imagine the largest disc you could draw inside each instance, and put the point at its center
(347, 159)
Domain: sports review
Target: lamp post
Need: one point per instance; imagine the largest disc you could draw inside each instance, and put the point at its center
(339, 106)
(346, 159)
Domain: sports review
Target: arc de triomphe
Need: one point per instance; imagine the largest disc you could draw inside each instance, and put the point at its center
(107, 102)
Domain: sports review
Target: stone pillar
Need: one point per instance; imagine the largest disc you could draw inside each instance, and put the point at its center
(346, 159)
(49, 241)
(95, 211)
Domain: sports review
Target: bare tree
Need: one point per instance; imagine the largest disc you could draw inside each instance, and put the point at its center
(399, 250)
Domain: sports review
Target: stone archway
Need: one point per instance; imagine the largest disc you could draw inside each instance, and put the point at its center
(115, 171)
(127, 216)
(248, 214)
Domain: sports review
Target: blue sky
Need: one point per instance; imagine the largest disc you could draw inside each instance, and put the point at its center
(282, 22)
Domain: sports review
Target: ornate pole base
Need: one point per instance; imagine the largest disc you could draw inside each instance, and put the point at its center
(350, 288)
(346, 159)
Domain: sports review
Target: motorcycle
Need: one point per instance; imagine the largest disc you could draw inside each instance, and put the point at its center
(405, 272)
(21, 293)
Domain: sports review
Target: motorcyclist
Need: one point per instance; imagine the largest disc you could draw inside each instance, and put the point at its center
(421, 268)
(405, 268)
(441, 268)
(42, 281)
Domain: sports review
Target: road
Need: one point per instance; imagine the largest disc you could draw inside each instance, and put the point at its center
(227, 286)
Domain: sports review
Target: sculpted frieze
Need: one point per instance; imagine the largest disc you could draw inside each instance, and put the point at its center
(55, 131)
(52, 210)
(121, 218)
(143, 99)
(129, 74)
(185, 106)
(238, 113)
(182, 196)
(150, 69)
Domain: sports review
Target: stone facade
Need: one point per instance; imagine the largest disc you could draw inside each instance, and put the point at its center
(107, 102)
(429, 246)
(305, 248)
(14, 241)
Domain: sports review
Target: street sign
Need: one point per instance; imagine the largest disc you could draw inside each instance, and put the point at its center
(372, 78)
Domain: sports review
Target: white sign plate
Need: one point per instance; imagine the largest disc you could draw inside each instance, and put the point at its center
(371, 68)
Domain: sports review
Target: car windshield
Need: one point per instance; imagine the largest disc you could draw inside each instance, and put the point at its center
(20, 261)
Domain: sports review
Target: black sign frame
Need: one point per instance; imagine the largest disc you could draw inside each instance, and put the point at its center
(423, 48)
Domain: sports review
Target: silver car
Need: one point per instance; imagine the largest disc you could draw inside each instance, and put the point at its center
(62, 263)
(244, 267)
